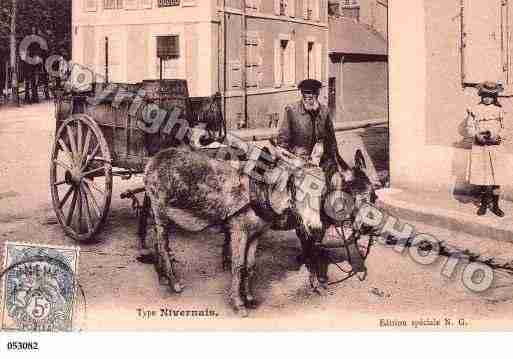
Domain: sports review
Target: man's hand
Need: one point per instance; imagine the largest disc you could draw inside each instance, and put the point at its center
(347, 175)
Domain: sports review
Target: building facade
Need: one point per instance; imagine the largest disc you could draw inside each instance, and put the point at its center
(439, 52)
(358, 61)
(254, 52)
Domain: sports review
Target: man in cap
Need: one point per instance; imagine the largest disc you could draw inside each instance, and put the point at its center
(307, 123)
(305, 127)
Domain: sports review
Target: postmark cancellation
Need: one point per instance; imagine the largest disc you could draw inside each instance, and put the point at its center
(38, 287)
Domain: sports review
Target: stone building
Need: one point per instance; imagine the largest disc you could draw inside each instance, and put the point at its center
(440, 50)
(254, 52)
(358, 61)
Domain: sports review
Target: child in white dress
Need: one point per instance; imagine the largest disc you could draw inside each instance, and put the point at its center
(486, 167)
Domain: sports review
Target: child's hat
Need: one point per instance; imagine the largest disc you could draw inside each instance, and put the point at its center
(489, 88)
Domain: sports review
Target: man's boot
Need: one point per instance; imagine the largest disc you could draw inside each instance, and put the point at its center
(484, 203)
(495, 206)
(357, 261)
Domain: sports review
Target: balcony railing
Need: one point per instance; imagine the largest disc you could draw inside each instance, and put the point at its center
(166, 3)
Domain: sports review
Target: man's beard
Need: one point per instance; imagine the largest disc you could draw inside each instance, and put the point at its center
(311, 107)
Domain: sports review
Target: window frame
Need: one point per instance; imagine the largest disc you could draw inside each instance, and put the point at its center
(117, 4)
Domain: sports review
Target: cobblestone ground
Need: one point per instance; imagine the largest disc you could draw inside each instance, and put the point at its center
(116, 285)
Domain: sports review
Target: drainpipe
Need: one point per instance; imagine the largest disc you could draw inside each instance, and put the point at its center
(107, 60)
(243, 54)
(222, 63)
(462, 43)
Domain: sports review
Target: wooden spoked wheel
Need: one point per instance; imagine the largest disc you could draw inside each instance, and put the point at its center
(80, 177)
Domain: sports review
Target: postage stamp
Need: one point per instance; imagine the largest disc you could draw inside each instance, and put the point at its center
(39, 287)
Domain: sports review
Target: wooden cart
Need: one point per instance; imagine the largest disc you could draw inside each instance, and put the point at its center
(97, 137)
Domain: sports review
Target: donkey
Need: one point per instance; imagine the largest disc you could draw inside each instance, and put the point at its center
(192, 191)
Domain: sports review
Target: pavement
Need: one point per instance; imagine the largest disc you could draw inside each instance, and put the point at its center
(457, 213)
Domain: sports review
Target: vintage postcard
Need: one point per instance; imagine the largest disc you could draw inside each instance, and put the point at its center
(256, 165)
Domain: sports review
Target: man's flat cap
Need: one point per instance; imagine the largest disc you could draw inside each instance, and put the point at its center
(309, 85)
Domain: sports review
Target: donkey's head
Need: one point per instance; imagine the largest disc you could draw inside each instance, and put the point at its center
(347, 195)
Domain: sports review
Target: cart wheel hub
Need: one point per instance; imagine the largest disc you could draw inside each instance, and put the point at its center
(73, 177)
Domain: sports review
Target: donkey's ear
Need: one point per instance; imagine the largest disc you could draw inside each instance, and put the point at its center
(359, 160)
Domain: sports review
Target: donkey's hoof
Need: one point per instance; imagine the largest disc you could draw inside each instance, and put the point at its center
(321, 291)
(251, 303)
(163, 280)
(239, 307)
(242, 312)
(147, 258)
(317, 286)
(177, 287)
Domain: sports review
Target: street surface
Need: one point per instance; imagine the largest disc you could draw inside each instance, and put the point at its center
(116, 285)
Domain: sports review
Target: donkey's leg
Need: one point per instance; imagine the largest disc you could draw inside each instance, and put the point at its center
(239, 242)
(227, 255)
(170, 262)
(165, 258)
(311, 259)
(145, 254)
(249, 297)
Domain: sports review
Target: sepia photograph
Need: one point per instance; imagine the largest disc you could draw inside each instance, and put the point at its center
(255, 165)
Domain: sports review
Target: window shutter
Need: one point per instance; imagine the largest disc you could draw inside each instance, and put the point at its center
(251, 4)
(277, 65)
(90, 5)
(291, 8)
(305, 61)
(482, 39)
(146, 4)
(251, 48)
(277, 7)
(168, 47)
(291, 64)
(131, 4)
(235, 74)
(252, 77)
(306, 13)
(318, 61)
(109, 4)
(316, 9)
(259, 49)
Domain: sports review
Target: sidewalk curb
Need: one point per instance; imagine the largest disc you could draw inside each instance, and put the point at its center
(499, 229)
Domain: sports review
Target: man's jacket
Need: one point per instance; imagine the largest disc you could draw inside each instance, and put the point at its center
(300, 130)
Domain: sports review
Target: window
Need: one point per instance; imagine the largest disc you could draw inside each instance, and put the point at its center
(168, 47)
(486, 41)
(310, 60)
(284, 62)
(350, 3)
(252, 5)
(283, 7)
(350, 9)
(168, 50)
(146, 4)
(253, 60)
(166, 3)
(131, 4)
(311, 9)
(90, 5)
(235, 76)
(313, 60)
(112, 4)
